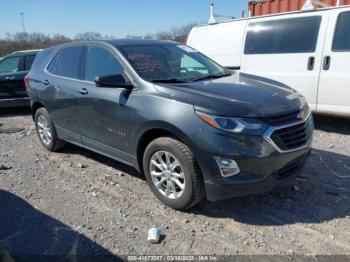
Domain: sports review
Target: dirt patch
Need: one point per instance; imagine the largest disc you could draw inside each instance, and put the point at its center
(79, 199)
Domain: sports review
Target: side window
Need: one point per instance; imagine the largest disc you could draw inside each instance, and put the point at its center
(100, 62)
(341, 40)
(9, 65)
(69, 62)
(52, 68)
(28, 61)
(294, 35)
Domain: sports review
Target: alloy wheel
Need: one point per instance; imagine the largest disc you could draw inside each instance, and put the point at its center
(167, 174)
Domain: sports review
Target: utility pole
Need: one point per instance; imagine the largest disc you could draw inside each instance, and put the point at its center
(22, 19)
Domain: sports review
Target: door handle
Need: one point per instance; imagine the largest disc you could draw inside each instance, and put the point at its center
(10, 78)
(311, 63)
(326, 62)
(46, 82)
(83, 91)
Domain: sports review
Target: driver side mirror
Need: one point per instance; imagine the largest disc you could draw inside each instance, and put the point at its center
(116, 81)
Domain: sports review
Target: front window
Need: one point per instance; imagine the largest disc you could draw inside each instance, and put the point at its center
(9, 65)
(170, 63)
(100, 62)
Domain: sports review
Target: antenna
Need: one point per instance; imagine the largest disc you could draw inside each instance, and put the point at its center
(212, 19)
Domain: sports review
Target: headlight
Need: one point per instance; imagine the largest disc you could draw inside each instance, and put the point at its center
(234, 125)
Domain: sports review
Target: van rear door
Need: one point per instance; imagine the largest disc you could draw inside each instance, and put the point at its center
(288, 49)
(334, 87)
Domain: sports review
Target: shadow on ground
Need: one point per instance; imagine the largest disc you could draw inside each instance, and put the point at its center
(332, 124)
(26, 233)
(15, 111)
(76, 150)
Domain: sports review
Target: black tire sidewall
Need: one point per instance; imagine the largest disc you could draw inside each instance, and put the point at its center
(186, 199)
(42, 111)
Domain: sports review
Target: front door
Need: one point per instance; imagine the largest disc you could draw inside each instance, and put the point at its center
(334, 87)
(287, 49)
(11, 78)
(103, 112)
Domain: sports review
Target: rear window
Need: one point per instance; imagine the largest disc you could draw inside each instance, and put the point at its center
(40, 58)
(294, 35)
(341, 40)
(28, 62)
(69, 62)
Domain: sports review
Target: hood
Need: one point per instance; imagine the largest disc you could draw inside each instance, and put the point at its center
(238, 95)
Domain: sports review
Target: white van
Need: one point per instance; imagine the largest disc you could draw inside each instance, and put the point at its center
(308, 50)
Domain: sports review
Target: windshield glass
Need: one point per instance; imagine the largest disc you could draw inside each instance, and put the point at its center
(170, 63)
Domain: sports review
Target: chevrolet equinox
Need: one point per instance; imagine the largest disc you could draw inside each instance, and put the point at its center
(195, 129)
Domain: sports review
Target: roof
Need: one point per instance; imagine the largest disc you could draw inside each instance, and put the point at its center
(124, 42)
(276, 14)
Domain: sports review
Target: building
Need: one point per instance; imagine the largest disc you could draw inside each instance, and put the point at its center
(266, 7)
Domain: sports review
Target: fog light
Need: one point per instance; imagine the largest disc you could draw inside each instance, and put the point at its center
(228, 167)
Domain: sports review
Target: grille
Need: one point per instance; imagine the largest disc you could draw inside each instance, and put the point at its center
(279, 120)
(293, 137)
(291, 169)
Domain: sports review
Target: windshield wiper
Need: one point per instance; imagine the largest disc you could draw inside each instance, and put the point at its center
(211, 77)
(172, 80)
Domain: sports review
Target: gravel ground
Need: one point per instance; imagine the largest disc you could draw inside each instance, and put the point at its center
(78, 202)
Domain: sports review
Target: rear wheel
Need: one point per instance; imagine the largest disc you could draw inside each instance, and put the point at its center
(172, 173)
(46, 131)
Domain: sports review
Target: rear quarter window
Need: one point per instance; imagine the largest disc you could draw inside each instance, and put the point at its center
(341, 40)
(293, 35)
(40, 59)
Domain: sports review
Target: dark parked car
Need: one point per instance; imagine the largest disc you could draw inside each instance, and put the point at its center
(193, 128)
(13, 69)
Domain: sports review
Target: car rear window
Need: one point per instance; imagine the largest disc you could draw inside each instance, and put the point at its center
(28, 62)
(294, 35)
(341, 40)
(69, 62)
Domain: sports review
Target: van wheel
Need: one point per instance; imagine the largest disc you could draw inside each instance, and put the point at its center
(172, 173)
(46, 131)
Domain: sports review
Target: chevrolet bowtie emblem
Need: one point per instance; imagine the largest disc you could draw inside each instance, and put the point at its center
(301, 115)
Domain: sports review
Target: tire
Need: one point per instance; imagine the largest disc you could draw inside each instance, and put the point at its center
(188, 190)
(46, 131)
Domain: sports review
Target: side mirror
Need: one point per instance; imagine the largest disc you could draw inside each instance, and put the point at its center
(117, 81)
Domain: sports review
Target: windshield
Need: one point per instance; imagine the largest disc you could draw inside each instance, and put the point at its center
(170, 63)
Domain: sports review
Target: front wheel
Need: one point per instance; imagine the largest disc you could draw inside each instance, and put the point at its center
(46, 131)
(172, 173)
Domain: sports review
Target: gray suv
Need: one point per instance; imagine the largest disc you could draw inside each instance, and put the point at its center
(193, 128)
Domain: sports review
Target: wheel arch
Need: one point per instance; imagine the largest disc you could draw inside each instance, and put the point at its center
(154, 131)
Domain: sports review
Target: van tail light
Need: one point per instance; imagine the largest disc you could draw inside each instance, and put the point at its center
(26, 81)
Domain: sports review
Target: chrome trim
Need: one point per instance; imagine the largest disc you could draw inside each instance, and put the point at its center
(271, 130)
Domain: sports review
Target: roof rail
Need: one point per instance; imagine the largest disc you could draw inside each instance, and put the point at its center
(27, 51)
(309, 4)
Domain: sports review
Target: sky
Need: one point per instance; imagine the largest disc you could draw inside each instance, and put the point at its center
(109, 17)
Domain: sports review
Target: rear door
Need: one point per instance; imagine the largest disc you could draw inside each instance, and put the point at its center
(61, 85)
(334, 87)
(11, 79)
(288, 49)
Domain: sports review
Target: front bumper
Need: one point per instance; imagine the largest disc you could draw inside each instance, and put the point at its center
(262, 166)
(218, 190)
